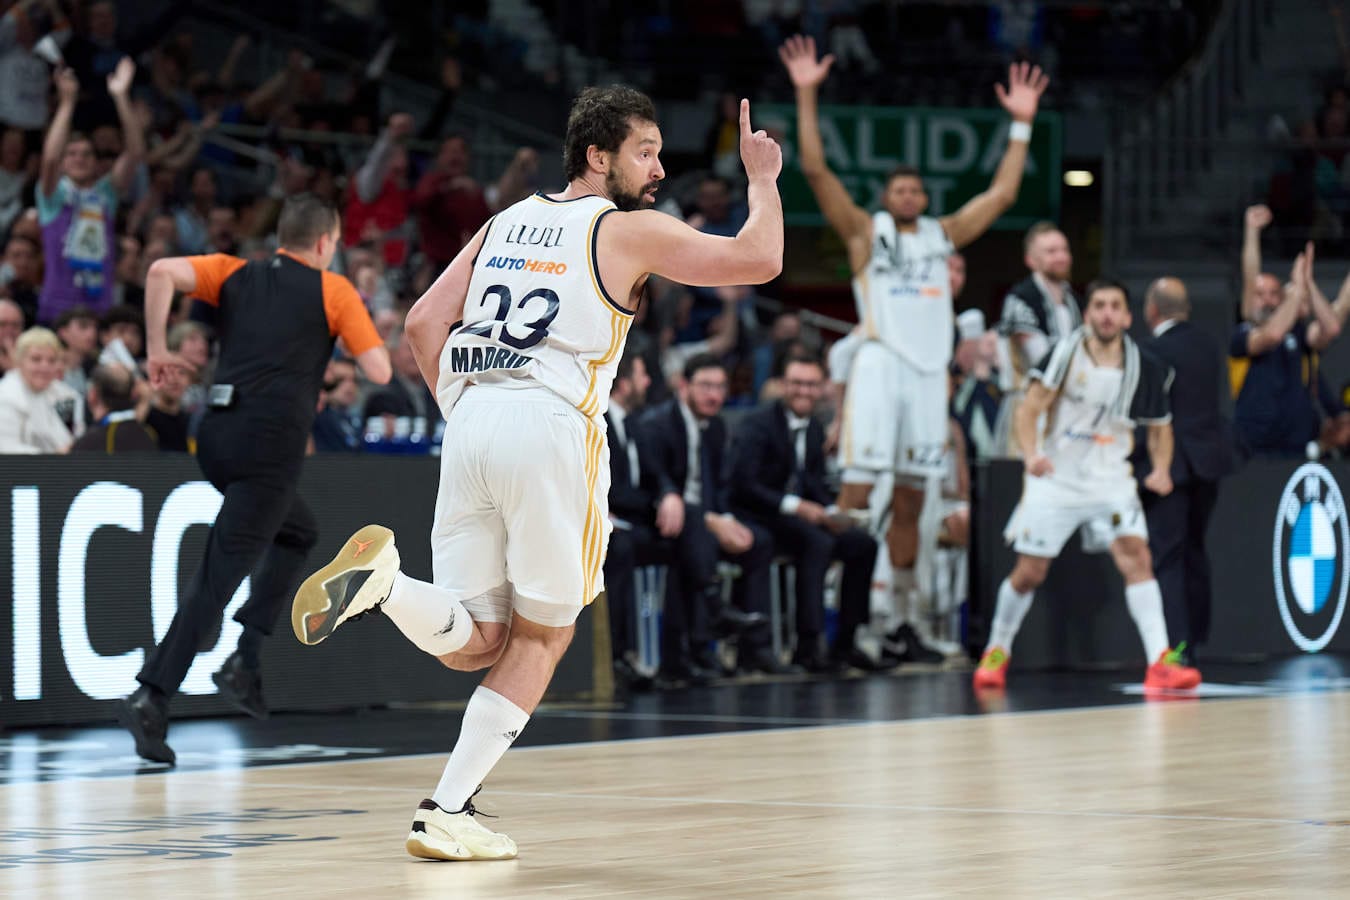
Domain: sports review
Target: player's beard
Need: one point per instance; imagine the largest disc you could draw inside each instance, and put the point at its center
(1103, 339)
(625, 200)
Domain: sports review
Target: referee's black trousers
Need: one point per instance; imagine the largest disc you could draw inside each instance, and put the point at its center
(263, 529)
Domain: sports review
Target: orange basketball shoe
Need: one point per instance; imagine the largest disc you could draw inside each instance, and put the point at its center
(1168, 672)
(993, 669)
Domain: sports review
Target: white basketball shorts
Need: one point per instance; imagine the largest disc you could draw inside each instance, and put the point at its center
(523, 509)
(895, 416)
(1050, 511)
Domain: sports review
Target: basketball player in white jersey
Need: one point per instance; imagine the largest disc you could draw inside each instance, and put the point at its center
(520, 337)
(1092, 389)
(895, 411)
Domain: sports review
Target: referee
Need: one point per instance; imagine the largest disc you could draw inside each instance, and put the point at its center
(277, 322)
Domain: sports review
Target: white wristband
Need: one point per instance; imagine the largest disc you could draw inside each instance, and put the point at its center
(1020, 131)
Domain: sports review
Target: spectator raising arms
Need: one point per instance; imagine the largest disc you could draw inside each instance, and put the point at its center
(76, 208)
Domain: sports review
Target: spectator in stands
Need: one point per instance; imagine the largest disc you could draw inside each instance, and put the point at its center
(191, 342)
(1275, 412)
(379, 199)
(129, 273)
(768, 355)
(407, 394)
(23, 74)
(192, 220)
(112, 406)
(21, 274)
(450, 205)
(717, 211)
(718, 338)
(122, 336)
(163, 229)
(684, 442)
(722, 147)
(778, 482)
(632, 510)
(76, 209)
(77, 328)
(15, 174)
(38, 412)
(387, 323)
(222, 231)
(336, 427)
(11, 326)
(167, 418)
(96, 50)
(517, 181)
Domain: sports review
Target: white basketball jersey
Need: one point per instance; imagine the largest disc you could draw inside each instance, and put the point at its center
(536, 314)
(904, 295)
(1085, 439)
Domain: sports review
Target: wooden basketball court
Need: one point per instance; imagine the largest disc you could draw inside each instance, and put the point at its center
(1227, 798)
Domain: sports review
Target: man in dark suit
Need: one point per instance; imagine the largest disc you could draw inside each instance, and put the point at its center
(1177, 523)
(632, 510)
(778, 481)
(684, 442)
(335, 427)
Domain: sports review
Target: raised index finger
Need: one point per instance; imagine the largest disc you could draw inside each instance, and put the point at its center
(745, 117)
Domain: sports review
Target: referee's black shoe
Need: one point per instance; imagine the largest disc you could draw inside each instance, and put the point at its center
(145, 713)
(240, 685)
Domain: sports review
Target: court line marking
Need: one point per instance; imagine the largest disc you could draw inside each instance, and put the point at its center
(852, 807)
(610, 742)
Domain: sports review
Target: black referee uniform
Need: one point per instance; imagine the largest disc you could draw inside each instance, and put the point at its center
(277, 323)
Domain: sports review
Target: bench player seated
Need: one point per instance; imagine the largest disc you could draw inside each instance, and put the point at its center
(1092, 389)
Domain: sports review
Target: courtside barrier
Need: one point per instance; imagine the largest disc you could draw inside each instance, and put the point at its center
(95, 552)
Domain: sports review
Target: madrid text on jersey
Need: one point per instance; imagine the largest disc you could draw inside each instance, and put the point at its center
(480, 359)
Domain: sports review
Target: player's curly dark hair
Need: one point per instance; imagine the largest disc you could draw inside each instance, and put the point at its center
(602, 116)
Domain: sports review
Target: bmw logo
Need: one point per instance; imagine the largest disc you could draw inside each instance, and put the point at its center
(1311, 576)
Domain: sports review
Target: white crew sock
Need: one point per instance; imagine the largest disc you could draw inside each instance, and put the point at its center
(491, 723)
(1145, 602)
(906, 596)
(881, 602)
(428, 616)
(1009, 612)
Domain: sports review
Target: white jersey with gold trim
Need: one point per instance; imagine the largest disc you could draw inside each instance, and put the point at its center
(536, 313)
(904, 294)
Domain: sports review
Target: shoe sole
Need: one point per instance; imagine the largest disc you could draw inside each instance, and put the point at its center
(313, 617)
(128, 719)
(424, 846)
(1190, 685)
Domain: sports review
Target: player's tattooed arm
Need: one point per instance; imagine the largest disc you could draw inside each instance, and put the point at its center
(1022, 97)
(1036, 403)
